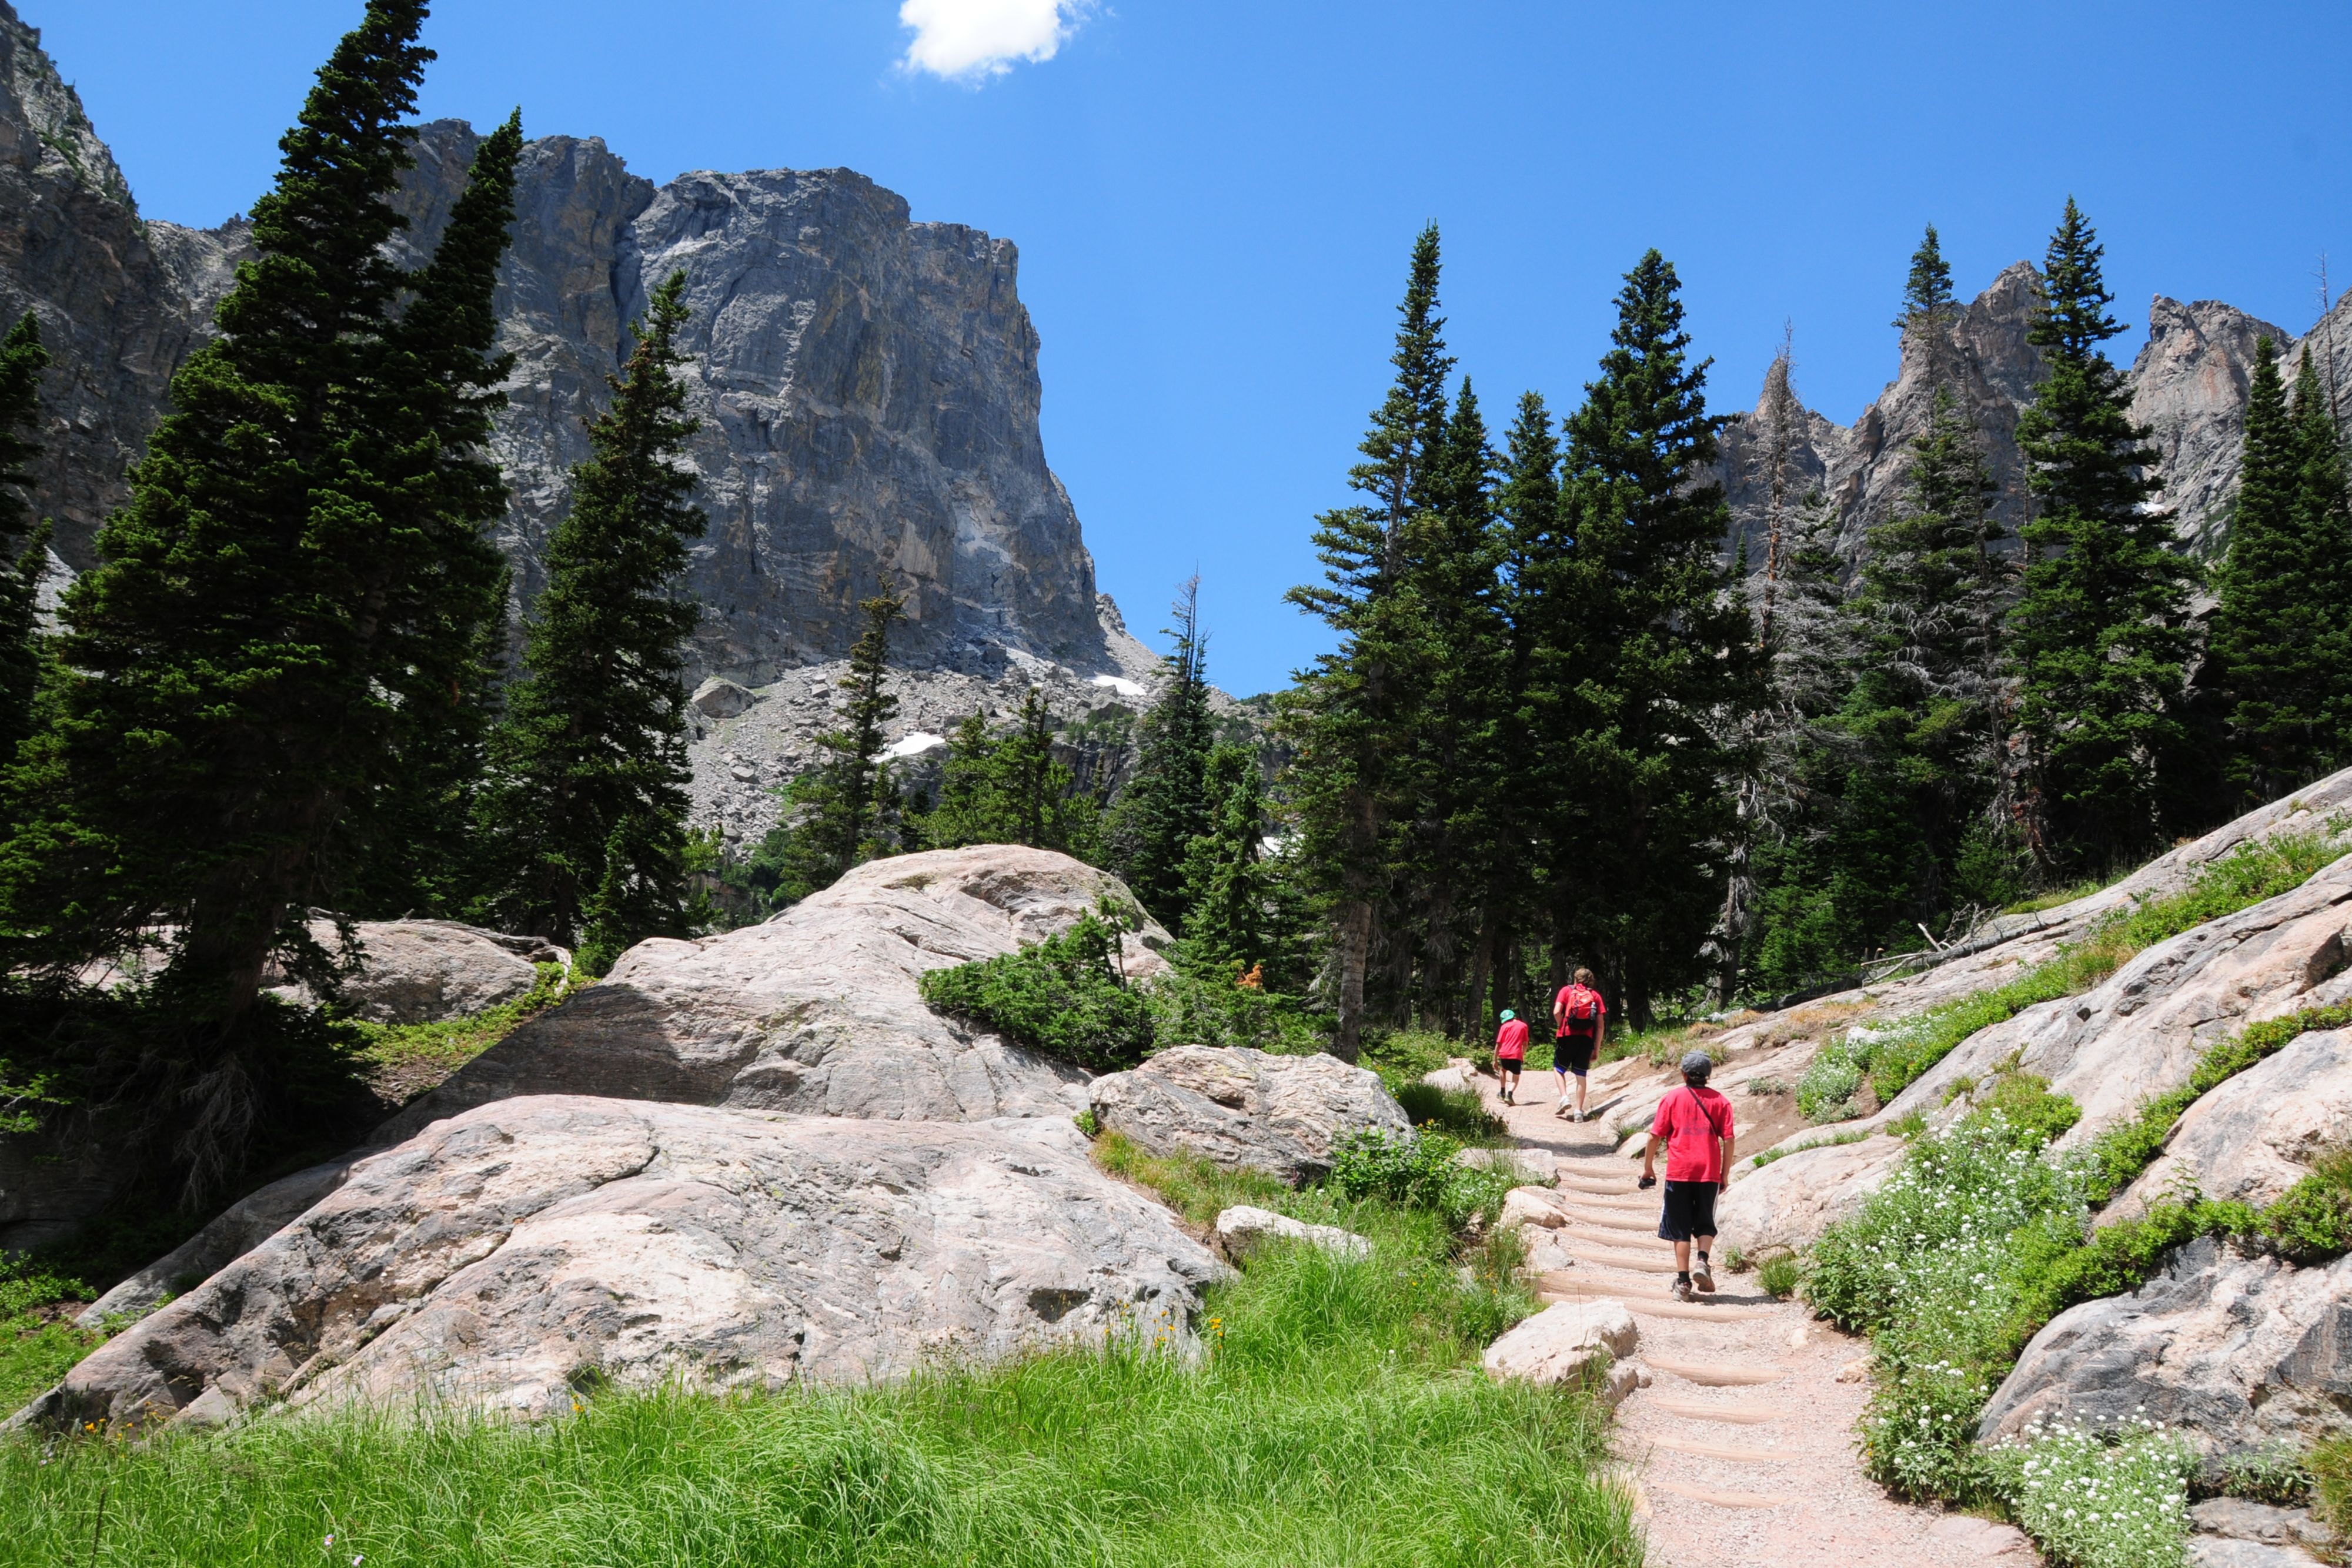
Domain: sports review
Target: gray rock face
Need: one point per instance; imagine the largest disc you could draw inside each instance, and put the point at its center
(2188, 384)
(505, 1257)
(817, 1010)
(2256, 1135)
(1246, 1110)
(1244, 1228)
(2240, 1353)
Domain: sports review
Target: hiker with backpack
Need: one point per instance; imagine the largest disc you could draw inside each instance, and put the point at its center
(1579, 1019)
(1693, 1122)
(1511, 1053)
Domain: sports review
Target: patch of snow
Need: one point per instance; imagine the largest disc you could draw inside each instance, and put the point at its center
(1120, 684)
(915, 745)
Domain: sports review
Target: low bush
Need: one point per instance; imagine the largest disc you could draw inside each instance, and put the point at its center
(1420, 1171)
(2330, 1466)
(1458, 1112)
(1781, 1275)
(2097, 1500)
(1066, 996)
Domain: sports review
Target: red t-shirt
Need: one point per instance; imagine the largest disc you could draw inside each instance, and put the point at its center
(1511, 1040)
(1572, 996)
(1693, 1122)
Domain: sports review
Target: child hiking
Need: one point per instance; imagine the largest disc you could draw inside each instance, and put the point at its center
(1511, 1053)
(1695, 1123)
(1580, 1019)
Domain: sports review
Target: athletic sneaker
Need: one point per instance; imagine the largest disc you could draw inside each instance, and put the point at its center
(1507, 1098)
(1701, 1278)
(1683, 1291)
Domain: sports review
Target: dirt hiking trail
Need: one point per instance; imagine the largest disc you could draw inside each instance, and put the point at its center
(1742, 1450)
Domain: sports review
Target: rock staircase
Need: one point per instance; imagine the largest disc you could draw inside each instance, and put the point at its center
(1739, 1451)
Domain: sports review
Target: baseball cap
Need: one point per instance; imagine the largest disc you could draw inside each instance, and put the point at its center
(1508, 1015)
(1698, 1064)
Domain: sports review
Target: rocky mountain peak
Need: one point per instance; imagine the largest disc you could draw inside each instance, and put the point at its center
(43, 129)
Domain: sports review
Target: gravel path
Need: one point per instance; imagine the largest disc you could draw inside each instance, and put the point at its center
(1742, 1450)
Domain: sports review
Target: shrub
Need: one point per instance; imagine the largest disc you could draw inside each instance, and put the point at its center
(1780, 1274)
(2330, 1464)
(1419, 1171)
(2312, 1221)
(1825, 1093)
(1064, 996)
(1456, 1112)
(2097, 1500)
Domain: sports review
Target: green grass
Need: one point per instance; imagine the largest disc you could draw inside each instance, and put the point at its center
(1835, 1140)
(38, 1343)
(1335, 1417)
(1893, 1059)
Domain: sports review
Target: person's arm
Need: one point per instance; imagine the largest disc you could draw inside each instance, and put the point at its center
(1650, 1158)
(1558, 1010)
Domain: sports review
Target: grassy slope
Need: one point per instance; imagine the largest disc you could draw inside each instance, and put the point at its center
(1336, 1418)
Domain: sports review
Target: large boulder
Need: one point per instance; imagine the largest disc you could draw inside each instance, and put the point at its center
(2143, 1031)
(1568, 1342)
(234, 1231)
(2256, 1135)
(818, 1010)
(418, 971)
(1244, 1228)
(1246, 1110)
(2240, 1354)
(525, 1250)
(1788, 1204)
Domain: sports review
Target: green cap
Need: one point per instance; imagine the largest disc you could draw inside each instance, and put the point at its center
(1508, 1015)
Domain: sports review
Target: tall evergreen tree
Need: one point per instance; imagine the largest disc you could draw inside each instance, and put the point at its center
(1166, 804)
(2324, 495)
(589, 761)
(2276, 630)
(1928, 309)
(1453, 834)
(24, 542)
(1230, 887)
(2097, 638)
(851, 802)
(1353, 714)
(237, 662)
(1011, 790)
(1672, 663)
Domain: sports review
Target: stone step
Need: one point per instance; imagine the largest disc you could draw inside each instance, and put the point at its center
(1709, 1495)
(1718, 1374)
(1699, 1410)
(1735, 1453)
(1695, 1311)
(1660, 1263)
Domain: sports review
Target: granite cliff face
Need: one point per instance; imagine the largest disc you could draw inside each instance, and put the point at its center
(867, 384)
(2188, 384)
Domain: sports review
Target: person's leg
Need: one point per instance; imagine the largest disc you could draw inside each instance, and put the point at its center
(1579, 1097)
(1704, 1275)
(1682, 1256)
(1560, 1100)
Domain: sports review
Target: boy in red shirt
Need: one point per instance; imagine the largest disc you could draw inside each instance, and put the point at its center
(1511, 1053)
(1580, 1018)
(1695, 1125)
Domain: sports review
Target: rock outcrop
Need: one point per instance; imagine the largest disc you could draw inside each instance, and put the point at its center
(419, 971)
(234, 1231)
(2240, 1354)
(1246, 1110)
(519, 1254)
(2256, 1136)
(2188, 386)
(818, 1010)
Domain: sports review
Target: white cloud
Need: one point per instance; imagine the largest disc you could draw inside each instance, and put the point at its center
(974, 39)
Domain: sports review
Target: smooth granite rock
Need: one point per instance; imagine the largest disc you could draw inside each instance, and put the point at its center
(2241, 1354)
(511, 1256)
(1244, 1228)
(2256, 1135)
(817, 1010)
(418, 971)
(1567, 1342)
(234, 1231)
(1246, 1110)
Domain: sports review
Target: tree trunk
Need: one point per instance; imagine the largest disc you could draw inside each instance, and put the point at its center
(1355, 946)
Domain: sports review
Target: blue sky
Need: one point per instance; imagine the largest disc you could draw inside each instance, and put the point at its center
(1213, 200)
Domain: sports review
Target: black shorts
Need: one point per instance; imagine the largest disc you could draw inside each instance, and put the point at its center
(1689, 1210)
(1509, 1065)
(1572, 1053)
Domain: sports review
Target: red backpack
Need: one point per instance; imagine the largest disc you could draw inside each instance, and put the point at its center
(1582, 1010)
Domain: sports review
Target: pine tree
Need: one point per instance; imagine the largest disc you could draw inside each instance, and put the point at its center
(2274, 629)
(1453, 833)
(238, 657)
(1354, 712)
(851, 803)
(1229, 885)
(1928, 307)
(589, 760)
(2324, 497)
(1012, 790)
(1166, 804)
(2097, 638)
(24, 542)
(1672, 660)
